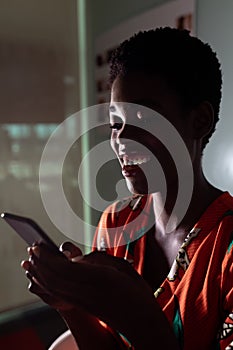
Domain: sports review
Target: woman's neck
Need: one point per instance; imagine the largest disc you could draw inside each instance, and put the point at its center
(172, 216)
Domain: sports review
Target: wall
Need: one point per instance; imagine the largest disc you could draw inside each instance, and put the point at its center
(103, 15)
(38, 90)
(107, 14)
(214, 25)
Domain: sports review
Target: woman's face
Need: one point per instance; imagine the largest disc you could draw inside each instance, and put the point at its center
(140, 107)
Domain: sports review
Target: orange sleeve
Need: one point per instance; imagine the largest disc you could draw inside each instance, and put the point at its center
(225, 335)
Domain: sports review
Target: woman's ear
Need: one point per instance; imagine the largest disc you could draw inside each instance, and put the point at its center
(203, 119)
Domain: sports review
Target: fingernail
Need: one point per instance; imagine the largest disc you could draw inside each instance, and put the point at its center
(29, 250)
(36, 251)
(24, 264)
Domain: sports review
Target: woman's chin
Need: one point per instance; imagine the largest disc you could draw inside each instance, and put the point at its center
(142, 188)
(136, 187)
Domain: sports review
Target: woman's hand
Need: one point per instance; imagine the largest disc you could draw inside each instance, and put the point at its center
(102, 284)
(77, 319)
(106, 287)
(72, 253)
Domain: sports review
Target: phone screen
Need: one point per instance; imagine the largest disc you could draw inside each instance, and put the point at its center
(28, 230)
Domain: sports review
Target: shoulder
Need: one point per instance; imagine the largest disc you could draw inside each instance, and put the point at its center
(122, 208)
(218, 218)
(222, 233)
(226, 217)
(132, 202)
(123, 217)
(222, 214)
(226, 200)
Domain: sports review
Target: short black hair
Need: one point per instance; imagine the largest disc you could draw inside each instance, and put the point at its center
(190, 66)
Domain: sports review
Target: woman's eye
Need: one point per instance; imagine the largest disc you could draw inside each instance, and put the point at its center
(116, 126)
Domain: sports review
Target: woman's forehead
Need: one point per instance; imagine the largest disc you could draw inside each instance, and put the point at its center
(143, 91)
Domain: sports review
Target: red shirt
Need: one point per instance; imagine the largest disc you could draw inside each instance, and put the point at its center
(197, 295)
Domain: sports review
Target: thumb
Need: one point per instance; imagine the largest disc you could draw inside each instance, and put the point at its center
(71, 251)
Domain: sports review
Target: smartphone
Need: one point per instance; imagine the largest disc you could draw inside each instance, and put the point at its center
(29, 230)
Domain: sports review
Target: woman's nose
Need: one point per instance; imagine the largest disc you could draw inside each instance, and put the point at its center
(130, 133)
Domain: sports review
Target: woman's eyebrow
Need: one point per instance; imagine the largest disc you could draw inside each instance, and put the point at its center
(146, 103)
(142, 102)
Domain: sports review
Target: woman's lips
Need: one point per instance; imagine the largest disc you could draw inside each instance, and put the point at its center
(130, 170)
(131, 163)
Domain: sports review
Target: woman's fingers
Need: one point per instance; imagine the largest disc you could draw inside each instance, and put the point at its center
(102, 258)
(71, 251)
(32, 274)
(37, 286)
(95, 283)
